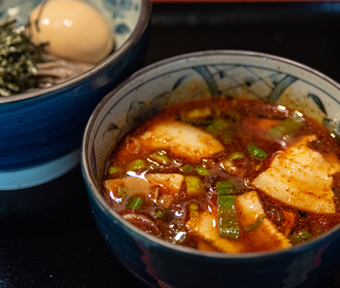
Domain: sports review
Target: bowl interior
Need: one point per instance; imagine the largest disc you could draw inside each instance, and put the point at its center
(202, 75)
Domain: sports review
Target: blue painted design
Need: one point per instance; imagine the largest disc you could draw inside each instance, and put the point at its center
(221, 70)
(158, 103)
(208, 78)
(122, 29)
(249, 80)
(280, 88)
(279, 82)
(179, 82)
(136, 112)
(318, 102)
(123, 4)
(111, 127)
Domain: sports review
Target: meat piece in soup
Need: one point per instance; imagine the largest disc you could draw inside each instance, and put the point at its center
(227, 175)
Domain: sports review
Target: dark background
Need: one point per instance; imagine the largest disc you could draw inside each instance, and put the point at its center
(63, 247)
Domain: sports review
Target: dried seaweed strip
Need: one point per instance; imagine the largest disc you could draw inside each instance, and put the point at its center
(18, 59)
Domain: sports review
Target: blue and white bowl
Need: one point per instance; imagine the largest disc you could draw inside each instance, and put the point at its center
(195, 76)
(41, 131)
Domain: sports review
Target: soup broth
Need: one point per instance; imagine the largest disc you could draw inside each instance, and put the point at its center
(227, 175)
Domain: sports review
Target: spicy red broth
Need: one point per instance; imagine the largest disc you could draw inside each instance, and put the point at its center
(227, 175)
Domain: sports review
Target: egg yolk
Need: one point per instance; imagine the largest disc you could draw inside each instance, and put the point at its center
(73, 30)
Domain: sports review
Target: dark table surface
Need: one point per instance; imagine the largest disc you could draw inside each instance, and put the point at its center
(63, 247)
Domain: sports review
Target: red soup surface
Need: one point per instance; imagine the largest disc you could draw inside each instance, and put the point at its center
(227, 175)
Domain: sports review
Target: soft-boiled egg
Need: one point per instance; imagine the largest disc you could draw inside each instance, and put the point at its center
(73, 29)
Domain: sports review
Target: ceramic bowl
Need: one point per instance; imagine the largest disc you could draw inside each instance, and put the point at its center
(41, 131)
(194, 76)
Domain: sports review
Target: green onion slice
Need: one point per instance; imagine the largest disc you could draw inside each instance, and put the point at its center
(227, 218)
(114, 170)
(251, 227)
(288, 126)
(187, 168)
(135, 203)
(300, 237)
(159, 214)
(194, 185)
(256, 152)
(202, 171)
(160, 158)
(138, 164)
(227, 187)
(217, 126)
(193, 210)
(193, 206)
(236, 155)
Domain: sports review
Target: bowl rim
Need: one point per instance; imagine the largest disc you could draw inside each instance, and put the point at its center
(136, 34)
(114, 216)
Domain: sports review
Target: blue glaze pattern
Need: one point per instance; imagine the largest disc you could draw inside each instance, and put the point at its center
(45, 127)
(122, 29)
(41, 131)
(318, 102)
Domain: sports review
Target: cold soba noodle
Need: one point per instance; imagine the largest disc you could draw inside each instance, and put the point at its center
(227, 175)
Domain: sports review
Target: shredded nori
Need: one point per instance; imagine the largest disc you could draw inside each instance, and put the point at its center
(18, 58)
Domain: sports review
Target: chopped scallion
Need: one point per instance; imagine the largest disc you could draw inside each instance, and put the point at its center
(160, 158)
(217, 126)
(288, 126)
(227, 187)
(256, 224)
(187, 168)
(193, 209)
(194, 185)
(136, 165)
(300, 237)
(194, 213)
(227, 218)
(114, 170)
(159, 214)
(202, 171)
(256, 152)
(135, 203)
(236, 155)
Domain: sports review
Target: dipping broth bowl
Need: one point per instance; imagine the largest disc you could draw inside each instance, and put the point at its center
(196, 76)
(41, 131)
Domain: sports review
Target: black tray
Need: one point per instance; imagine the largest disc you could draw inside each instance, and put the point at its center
(63, 247)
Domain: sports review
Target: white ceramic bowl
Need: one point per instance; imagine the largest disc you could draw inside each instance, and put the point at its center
(195, 76)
